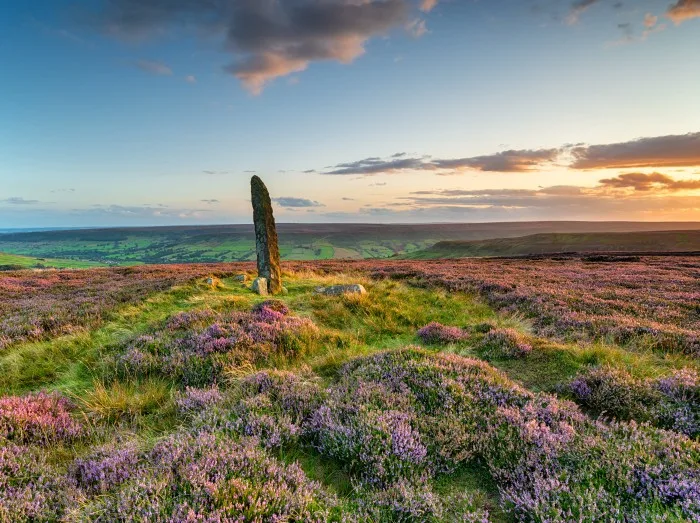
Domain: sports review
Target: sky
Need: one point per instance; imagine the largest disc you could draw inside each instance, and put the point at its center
(154, 112)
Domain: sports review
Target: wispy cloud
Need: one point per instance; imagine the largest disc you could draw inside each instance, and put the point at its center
(644, 182)
(18, 200)
(428, 5)
(292, 202)
(152, 67)
(578, 8)
(504, 161)
(141, 211)
(210, 202)
(653, 152)
(660, 151)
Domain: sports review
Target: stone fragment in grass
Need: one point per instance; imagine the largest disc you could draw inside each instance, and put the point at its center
(339, 290)
(260, 286)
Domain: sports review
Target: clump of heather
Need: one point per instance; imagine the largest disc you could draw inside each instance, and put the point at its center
(672, 402)
(38, 418)
(273, 407)
(271, 305)
(29, 491)
(38, 305)
(417, 502)
(196, 347)
(505, 343)
(106, 468)
(652, 301)
(194, 400)
(208, 477)
(436, 333)
(551, 462)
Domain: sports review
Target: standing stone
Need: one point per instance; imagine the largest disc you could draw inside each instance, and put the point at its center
(266, 236)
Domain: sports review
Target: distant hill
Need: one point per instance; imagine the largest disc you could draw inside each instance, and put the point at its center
(226, 243)
(623, 242)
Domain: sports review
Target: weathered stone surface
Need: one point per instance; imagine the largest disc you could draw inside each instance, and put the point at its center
(260, 286)
(337, 290)
(241, 278)
(266, 236)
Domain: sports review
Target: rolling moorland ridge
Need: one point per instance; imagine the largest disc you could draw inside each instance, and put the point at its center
(225, 243)
(606, 242)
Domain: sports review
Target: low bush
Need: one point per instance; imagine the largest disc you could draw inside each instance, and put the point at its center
(671, 402)
(505, 343)
(38, 418)
(436, 333)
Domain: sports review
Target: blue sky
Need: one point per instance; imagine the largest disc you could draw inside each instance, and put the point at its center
(130, 113)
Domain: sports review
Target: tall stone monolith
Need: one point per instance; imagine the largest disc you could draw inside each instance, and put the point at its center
(266, 236)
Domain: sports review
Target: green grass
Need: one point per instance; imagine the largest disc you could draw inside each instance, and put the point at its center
(351, 326)
(30, 262)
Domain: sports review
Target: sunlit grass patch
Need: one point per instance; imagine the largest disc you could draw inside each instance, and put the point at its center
(127, 400)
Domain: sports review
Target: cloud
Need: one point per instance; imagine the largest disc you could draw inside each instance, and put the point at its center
(505, 161)
(191, 79)
(417, 28)
(157, 68)
(661, 151)
(684, 10)
(647, 182)
(18, 200)
(546, 203)
(376, 165)
(578, 8)
(295, 203)
(210, 202)
(140, 211)
(267, 39)
(428, 5)
(654, 152)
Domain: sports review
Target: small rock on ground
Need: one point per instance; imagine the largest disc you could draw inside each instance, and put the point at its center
(260, 286)
(338, 290)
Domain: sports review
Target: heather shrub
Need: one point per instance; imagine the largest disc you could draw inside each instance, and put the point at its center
(29, 491)
(436, 333)
(672, 402)
(106, 468)
(194, 400)
(551, 463)
(196, 348)
(417, 502)
(205, 477)
(38, 418)
(505, 343)
(273, 407)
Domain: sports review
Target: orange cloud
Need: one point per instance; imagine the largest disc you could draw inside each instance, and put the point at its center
(661, 151)
(428, 5)
(643, 182)
(684, 10)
